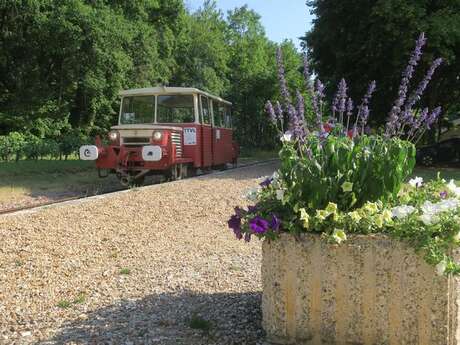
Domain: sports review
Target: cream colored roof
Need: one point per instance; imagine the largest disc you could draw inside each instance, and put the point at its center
(158, 90)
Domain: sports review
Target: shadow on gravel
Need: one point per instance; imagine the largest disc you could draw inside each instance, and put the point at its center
(184, 318)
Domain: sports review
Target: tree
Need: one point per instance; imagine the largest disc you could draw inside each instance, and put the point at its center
(202, 54)
(365, 40)
(253, 76)
(71, 58)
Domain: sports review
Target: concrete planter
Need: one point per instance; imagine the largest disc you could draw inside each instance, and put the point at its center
(370, 290)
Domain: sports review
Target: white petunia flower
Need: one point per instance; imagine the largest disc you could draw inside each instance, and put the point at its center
(457, 237)
(429, 208)
(251, 194)
(448, 204)
(441, 267)
(280, 194)
(453, 188)
(428, 218)
(416, 182)
(286, 137)
(403, 211)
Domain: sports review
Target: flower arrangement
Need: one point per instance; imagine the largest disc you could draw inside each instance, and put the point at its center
(335, 178)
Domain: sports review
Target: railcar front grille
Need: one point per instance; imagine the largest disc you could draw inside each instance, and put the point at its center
(177, 140)
(136, 141)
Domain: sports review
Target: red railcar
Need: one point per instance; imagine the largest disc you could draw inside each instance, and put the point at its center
(172, 131)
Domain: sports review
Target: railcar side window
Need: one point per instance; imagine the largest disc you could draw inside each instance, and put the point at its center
(137, 109)
(205, 111)
(228, 117)
(175, 109)
(218, 112)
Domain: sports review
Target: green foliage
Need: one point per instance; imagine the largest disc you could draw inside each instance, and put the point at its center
(371, 40)
(426, 216)
(64, 62)
(346, 172)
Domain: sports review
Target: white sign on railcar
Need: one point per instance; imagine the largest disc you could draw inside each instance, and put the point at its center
(189, 136)
(151, 153)
(89, 152)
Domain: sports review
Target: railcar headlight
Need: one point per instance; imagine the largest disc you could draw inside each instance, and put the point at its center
(113, 135)
(157, 135)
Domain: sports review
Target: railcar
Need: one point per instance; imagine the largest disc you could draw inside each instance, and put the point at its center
(169, 131)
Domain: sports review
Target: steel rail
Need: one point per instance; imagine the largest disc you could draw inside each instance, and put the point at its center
(79, 197)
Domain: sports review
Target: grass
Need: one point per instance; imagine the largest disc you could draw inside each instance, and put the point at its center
(55, 178)
(125, 271)
(248, 155)
(48, 177)
(80, 299)
(431, 173)
(64, 304)
(197, 322)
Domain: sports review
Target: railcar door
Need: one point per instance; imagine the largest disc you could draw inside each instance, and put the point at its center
(206, 132)
(222, 134)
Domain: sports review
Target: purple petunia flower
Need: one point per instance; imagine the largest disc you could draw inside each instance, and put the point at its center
(275, 223)
(252, 209)
(266, 182)
(239, 212)
(234, 223)
(443, 194)
(258, 225)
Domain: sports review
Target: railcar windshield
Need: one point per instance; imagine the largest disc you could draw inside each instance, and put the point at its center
(175, 109)
(137, 110)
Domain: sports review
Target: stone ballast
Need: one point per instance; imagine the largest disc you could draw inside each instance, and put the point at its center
(369, 290)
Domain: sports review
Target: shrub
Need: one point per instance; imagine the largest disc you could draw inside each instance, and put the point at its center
(12, 144)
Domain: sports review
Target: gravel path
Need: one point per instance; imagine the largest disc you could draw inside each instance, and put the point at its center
(155, 265)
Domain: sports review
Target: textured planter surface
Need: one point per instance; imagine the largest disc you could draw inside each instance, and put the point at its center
(370, 290)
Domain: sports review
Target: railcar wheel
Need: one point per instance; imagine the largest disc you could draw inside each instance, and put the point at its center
(173, 173)
(137, 182)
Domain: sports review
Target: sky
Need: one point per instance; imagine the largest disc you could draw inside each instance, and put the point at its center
(281, 18)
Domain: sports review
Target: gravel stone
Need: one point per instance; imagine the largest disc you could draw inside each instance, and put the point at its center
(134, 268)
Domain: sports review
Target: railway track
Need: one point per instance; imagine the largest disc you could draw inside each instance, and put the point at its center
(80, 197)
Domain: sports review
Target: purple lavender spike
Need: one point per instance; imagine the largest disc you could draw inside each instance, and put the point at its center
(349, 111)
(393, 123)
(306, 73)
(342, 98)
(363, 109)
(317, 104)
(281, 76)
(279, 111)
(270, 111)
(415, 97)
(431, 119)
